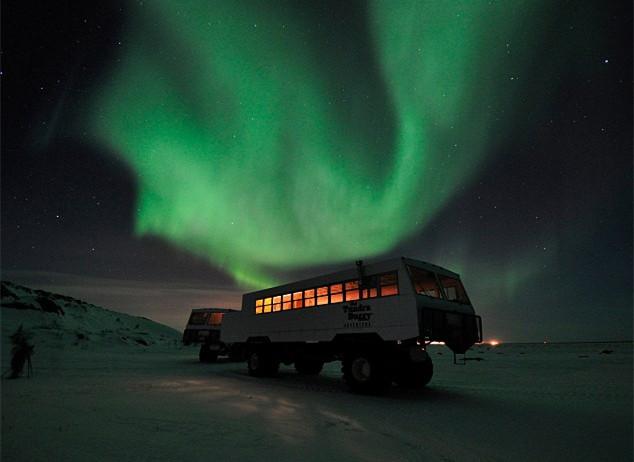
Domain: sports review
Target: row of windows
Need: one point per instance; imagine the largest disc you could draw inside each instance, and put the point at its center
(376, 286)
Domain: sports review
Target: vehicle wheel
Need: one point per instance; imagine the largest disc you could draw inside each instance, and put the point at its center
(261, 364)
(206, 356)
(415, 375)
(366, 373)
(308, 366)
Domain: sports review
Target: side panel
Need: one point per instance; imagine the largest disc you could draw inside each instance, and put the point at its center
(393, 318)
(397, 317)
(235, 327)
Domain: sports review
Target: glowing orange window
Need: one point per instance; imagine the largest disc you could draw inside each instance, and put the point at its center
(322, 295)
(215, 319)
(336, 293)
(309, 297)
(389, 290)
(266, 308)
(286, 301)
(297, 300)
(352, 290)
(277, 303)
(369, 293)
(258, 306)
(389, 284)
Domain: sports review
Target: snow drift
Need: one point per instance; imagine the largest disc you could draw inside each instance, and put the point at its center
(58, 321)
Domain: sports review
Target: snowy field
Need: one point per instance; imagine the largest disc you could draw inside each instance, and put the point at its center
(97, 397)
(522, 402)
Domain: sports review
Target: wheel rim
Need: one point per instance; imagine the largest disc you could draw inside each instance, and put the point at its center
(361, 369)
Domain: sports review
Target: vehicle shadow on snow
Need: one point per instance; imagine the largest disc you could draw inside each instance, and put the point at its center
(428, 393)
(289, 379)
(194, 361)
(332, 383)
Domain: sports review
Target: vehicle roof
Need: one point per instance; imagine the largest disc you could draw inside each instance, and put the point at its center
(351, 273)
(211, 310)
(429, 266)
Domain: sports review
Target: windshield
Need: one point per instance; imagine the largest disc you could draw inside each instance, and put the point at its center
(424, 282)
(215, 319)
(454, 290)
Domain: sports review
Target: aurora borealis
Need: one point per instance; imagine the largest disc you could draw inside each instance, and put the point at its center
(163, 155)
(246, 152)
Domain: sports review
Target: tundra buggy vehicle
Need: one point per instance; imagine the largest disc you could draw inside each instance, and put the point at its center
(204, 327)
(377, 319)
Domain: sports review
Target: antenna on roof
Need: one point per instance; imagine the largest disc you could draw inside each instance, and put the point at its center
(361, 272)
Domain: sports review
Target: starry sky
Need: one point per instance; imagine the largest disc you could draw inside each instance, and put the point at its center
(159, 155)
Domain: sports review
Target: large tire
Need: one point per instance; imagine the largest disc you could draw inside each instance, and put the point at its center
(261, 364)
(207, 356)
(366, 373)
(309, 366)
(415, 375)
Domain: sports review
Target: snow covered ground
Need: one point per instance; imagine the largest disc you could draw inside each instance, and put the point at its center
(104, 398)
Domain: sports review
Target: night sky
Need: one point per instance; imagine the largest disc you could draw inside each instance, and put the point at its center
(162, 155)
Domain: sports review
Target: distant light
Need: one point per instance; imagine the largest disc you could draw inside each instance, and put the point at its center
(494, 342)
(422, 342)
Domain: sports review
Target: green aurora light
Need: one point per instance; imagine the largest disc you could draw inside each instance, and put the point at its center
(261, 147)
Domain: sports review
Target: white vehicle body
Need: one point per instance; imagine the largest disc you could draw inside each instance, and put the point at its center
(376, 319)
(394, 317)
